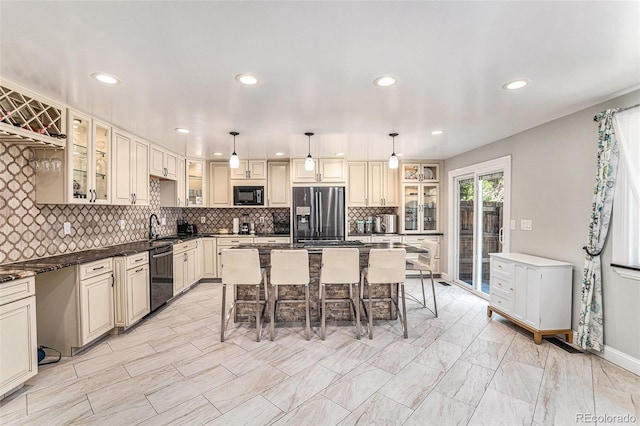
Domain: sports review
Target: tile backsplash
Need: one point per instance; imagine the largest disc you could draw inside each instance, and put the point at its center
(29, 231)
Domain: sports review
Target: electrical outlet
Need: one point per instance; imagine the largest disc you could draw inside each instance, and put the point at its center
(67, 228)
(513, 224)
(202, 219)
(122, 224)
(526, 224)
(261, 220)
(163, 221)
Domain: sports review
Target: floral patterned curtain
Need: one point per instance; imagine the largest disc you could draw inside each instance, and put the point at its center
(591, 322)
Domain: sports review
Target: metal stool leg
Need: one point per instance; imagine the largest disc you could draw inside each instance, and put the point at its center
(258, 324)
(306, 303)
(404, 312)
(433, 289)
(424, 298)
(273, 311)
(323, 318)
(223, 311)
(370, 311)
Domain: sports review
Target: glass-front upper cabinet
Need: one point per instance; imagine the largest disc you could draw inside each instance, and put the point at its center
(420, 172)
(195, 183)
(89, 157)
(420, 203)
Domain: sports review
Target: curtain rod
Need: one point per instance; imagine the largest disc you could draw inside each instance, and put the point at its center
(595, 117)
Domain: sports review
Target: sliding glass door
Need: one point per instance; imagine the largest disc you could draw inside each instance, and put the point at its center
(479, 205)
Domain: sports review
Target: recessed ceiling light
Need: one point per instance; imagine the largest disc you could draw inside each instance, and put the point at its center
(105, 78)
(437, 132)
(515, 84)
(384, 81)
(339, 154)
(217, 154)
(182, 130)
(248, 79)
(279, 154)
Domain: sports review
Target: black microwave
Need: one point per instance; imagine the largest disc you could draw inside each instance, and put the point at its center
(248, 195)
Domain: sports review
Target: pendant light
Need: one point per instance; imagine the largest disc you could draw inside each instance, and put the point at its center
(393, 160)
(234, 160)
(308, 163)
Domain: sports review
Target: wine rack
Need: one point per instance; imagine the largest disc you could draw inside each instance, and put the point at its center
(27, 119)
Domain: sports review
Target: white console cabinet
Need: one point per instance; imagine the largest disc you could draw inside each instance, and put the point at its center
(533, 292)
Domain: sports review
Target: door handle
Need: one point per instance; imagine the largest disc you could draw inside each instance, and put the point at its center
(501, 235)
(139, 270)
(320, 208)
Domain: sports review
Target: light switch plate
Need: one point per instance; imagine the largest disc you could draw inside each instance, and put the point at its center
(202, 219)
(121, 223)
(513, 224)
(163, 221)
(526, 224)
(67, 228)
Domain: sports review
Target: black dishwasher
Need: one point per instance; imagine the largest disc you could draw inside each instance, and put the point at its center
(161, 276)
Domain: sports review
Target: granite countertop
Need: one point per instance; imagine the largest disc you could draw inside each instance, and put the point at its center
(30, 268)
(364, 248)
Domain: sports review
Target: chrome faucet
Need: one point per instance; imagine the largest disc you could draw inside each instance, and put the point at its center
(153, 236)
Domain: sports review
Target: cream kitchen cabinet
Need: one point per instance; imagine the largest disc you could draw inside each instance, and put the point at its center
(250, 169)
(420, 211)
(172, 192)
(186, 265)
(271, 240)
(416, 241)
(533, 292)
(163, 163)
(382, 184)
(386, 238)
(209, 257)
(75, 305)
(18, 334)
(357, 184)
(130, 169)
(420, 172)
(85, 176)
(196, 183)
(278, 188)
(220, 187)
(132, 298)
(327, 170)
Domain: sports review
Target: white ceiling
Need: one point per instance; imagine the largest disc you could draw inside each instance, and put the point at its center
(317, 60)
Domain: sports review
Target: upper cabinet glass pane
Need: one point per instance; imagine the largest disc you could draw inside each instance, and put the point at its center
(102, 165)
(80, 152)
(411, 207)
(195, 172)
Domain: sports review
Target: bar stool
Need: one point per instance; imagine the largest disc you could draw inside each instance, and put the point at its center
(340, 266)
(425, 262)
(289, 267)
(242, 267)
(386, 266)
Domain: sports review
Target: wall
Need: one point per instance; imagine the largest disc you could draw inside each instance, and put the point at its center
(552, 178)
(29, 231)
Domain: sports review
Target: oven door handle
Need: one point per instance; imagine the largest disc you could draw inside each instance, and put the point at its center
(156, 256)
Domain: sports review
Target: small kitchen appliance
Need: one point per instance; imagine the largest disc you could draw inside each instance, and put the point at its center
(385, 224)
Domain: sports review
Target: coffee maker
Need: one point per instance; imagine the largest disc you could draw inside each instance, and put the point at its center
(244, 228)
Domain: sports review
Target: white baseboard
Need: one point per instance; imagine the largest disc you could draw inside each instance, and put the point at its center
(616, 357)
(444, 276)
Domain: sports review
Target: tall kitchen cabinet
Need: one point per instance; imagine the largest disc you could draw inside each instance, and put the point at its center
(533, 292)
(18, 352)
(371, 184)
(420, 204)
(130, 169)
(278, 188)
(85, 166)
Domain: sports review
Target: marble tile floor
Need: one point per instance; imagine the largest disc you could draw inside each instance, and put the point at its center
(460, 368)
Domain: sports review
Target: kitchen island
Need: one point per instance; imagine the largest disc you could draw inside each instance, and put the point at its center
(335, 311)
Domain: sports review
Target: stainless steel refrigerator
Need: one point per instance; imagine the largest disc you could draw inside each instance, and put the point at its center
(318, 213)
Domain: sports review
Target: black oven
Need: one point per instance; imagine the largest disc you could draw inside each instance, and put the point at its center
(248, 195)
